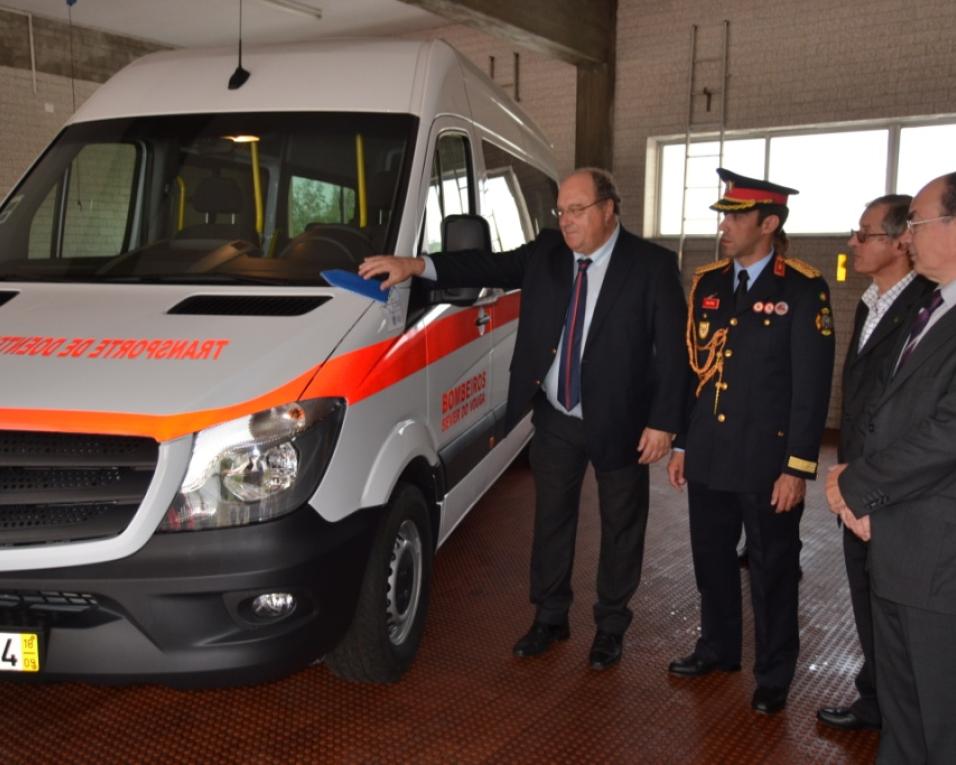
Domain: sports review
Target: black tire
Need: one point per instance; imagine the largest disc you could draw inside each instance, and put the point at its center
(383, 638)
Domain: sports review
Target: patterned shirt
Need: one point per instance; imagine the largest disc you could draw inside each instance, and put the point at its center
(878, 305)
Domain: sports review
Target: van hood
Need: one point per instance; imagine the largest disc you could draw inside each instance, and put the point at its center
(160, 350)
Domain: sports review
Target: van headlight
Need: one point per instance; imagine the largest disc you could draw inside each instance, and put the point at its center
(256, 468)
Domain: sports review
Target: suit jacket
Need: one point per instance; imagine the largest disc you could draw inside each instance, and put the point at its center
(864, 370)
(633, 369)
(905, 479)
(763, 410)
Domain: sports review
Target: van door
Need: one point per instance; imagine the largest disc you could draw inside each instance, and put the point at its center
(458, 339)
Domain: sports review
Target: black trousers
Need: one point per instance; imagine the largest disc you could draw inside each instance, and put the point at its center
(559, 459)
(773, 547)
(916, 683)
(855, 551)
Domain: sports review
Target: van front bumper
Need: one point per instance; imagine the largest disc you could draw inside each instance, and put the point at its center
(178, 610)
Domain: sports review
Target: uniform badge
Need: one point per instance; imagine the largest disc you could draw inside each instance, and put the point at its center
(703, 327)
(824, 322)
(758, 307)
(779, 267)
(781, 309)
(711, 302)
(823, 297)
(768, 307)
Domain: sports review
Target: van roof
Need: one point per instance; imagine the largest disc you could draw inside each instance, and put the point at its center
(397, 76)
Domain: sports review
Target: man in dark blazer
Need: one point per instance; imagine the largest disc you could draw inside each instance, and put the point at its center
(900, 494)
(880, 253)
(760, 340)
(616, 405)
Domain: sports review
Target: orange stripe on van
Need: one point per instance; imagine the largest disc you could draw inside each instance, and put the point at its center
(355, 376)
(162, 427)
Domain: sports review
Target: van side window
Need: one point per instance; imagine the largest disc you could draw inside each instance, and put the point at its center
(89, 209)
(450, 188)
(512, 186)
(315, 201)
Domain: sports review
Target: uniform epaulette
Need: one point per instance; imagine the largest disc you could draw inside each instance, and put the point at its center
(712, 266)
(804, 268)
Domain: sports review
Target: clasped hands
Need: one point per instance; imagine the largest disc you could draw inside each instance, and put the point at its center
(838, 506)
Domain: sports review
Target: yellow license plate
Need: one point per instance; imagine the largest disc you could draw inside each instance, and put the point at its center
(19, 652)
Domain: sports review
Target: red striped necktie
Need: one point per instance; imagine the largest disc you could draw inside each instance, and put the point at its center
(919, 324)
(569, 370)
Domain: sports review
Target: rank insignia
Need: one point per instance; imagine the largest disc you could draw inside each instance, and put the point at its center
(711, 302)
(758, 307)
(781, 309)
(768, 307)
(779, 267)
(703, 328)
(824, 322)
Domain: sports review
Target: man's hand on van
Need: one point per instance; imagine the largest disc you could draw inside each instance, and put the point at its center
(396, 270)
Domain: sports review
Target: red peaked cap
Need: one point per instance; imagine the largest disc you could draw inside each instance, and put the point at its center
(742, 193)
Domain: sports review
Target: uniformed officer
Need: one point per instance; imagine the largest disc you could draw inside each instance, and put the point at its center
(760, 341)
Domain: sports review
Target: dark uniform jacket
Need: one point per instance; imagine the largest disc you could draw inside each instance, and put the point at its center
(864, 371)
(905, 479)
(763, 408)
(634, 368)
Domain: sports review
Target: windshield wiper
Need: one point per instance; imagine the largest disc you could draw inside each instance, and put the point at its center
(216, 278)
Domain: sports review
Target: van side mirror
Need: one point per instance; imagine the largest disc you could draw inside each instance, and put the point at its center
(462, 232)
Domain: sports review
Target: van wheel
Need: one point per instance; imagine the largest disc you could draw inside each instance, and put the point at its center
(383, 638)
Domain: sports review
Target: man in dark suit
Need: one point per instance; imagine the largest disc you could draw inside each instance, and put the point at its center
(900, 494)
(878, 252)
(760, 339)
(615, 404)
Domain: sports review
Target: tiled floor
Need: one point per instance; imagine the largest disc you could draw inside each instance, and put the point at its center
(467, 700)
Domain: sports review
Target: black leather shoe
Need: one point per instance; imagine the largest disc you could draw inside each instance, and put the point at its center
(606, 650)
(696, 666)
(843, 718)
(769, 700)
(539, 638)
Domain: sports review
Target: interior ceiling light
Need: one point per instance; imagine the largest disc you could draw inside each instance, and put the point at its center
(295, 6)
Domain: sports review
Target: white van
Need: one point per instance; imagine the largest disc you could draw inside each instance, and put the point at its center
(217, 466)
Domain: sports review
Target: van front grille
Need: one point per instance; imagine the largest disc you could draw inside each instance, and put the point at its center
(67, 488)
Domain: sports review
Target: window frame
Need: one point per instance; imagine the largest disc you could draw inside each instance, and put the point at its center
(656, 145)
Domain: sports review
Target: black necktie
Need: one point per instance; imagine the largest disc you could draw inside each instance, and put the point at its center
(740, 294)
(569, 369)
(919, 324)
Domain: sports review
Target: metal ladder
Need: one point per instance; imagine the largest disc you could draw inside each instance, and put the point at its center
(701, 93)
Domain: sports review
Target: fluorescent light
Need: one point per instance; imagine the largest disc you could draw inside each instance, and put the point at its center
(295, 6)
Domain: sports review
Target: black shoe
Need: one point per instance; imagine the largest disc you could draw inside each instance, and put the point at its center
(696, 666)
(540, 637)
(769, 700)
(844, 718)
(606, 650)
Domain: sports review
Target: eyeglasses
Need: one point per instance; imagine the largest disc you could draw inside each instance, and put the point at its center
(912, 224)
(862, 236)
(575, 211)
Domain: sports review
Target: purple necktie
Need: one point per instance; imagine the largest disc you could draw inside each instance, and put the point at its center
(919, 324)
(569, 370)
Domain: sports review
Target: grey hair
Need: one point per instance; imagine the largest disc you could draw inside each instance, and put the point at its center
(949, 194)
(897, 211)
(604, 185)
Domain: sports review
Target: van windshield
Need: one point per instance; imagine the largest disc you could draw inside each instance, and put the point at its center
(274, 198)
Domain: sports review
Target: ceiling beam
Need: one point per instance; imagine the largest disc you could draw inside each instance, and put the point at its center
(562, 29)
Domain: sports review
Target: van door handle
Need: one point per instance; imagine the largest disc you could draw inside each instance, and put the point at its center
(483, 318)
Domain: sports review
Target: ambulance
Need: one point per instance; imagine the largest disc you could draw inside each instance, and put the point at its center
(223, 455)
